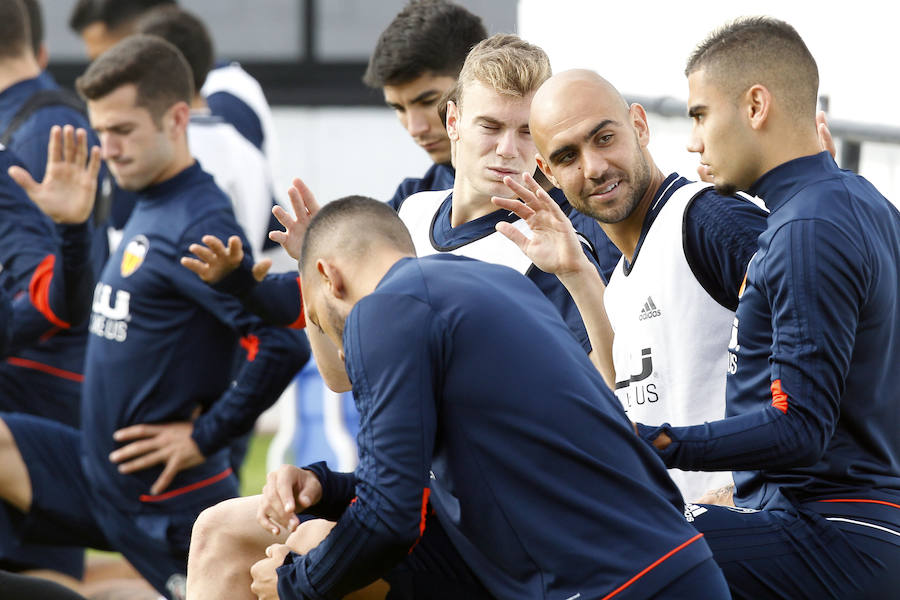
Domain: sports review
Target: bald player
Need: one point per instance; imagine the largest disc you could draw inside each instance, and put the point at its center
(523, 467)
(671, 299)
(812, 393)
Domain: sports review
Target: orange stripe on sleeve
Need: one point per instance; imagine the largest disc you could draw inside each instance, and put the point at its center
(39, 290)
(300, 323)
(250, 343)
(426, 494)
(779, 398)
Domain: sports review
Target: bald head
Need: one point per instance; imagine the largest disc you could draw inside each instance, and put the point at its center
(570, 95)
(592, 145)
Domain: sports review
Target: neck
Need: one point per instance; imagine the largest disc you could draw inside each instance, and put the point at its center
(181, 161)
(199, 102)
(20, 68)
(366, 275)
(626, 233)
(468, 204)
(789, 144)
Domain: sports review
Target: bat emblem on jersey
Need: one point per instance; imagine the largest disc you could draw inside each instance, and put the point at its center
(134, 254)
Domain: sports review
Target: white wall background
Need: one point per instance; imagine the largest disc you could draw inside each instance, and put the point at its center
(641, 47)
(341, 151)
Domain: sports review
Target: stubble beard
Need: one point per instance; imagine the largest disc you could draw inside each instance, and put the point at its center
(640, 180)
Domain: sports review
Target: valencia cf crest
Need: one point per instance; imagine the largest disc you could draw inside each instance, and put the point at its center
(134, 254)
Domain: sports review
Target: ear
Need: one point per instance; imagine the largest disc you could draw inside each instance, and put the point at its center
(452, 121)
(545, 169)
(758, 104)
(639, 122)
(180, 113)
(332, 278)
(43, 56)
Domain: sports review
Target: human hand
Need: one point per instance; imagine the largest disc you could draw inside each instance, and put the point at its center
(826, 142)
(309, 534)
(170, 444)
(553, 245)
(69, 187)
(288, 490)
(215, 261)
(263, 574)
(305, 207)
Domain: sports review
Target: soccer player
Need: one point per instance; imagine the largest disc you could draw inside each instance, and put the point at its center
(238, 166)
(415, 63)
(42, 378)
(229, 90)
(812, 390)
(47, 279)
(159, 405)
(671, 300)
(456, 365)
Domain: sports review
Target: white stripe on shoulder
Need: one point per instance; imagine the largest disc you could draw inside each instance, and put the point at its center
(864, 524)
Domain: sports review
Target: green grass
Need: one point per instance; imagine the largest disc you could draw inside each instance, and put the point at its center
(253, 473)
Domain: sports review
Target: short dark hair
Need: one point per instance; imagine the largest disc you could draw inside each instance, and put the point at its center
(36, 24)
(354, 224)
(760, 50)
(156, 67)
(14, 30)
(112, 13)
(427, 36)
(184, 31)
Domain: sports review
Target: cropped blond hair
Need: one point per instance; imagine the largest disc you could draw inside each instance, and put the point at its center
(505, 63)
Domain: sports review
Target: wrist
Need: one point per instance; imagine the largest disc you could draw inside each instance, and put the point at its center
(580, 275)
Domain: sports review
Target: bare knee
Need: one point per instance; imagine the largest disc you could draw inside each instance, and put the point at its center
(229, 528)
(15, 484)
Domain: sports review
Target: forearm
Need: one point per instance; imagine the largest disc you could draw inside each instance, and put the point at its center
(276, 299)
(587, 288)
(274, 355)
(761, 440)
(338, 491)
(77, 274)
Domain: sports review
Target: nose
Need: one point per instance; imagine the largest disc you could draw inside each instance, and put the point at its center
(506, 144)
(416, 122)
(109, 148)
(695, 144)
(595, 165)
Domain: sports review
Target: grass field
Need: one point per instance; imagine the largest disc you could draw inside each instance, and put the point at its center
(253, 473)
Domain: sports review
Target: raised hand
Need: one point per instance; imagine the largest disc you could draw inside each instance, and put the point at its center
(553, 245)
(305, 207)
(69, 187)
(826, 142)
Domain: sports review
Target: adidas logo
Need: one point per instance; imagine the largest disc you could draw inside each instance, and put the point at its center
(649, 311)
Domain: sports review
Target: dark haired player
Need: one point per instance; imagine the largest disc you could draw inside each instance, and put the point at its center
(159, 406)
